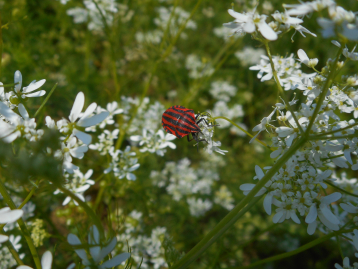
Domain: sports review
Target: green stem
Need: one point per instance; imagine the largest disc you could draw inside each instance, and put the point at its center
(294, 252)
(234, 214)
(336, 131)
(242, 129)
(46, 99)
(314, 137)
(167, 27)
(113, 54)
(99, 196)
(324, 90)
(13, 251)
(340, 189)
(339, 246)
(274, 72)
(22, 225)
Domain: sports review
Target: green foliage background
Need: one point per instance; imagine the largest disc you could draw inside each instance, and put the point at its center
(42, 41)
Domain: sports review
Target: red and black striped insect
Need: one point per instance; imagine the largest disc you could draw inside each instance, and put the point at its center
(181, 121)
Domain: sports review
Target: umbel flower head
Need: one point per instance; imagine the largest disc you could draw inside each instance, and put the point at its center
(97, 249)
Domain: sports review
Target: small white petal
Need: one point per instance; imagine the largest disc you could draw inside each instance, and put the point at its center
(312, 214)
(77, 107)
(115, 261)
(294, 217)
(349, 208)
(333, 197)
(10, 138)
(303, 56)
(8, 113)
(18, 79)
(36, 94)
(249, 27)
(268, 203)
(46, 260)
(34, 86)
(11, 216)
(93, 120)
(259, 173)
(3, 238)
(312, 228)
(85, 138)
(278, 216)
(90, 109)
(267, 31)
(23, 112)
(247, 187)
(327, 213)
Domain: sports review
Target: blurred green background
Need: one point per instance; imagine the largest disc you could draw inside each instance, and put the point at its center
(42, 41)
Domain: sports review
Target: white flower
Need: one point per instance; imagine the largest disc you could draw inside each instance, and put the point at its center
(29, 90)
(350, 55)
(198, 207)
(285, 18)
(265, 123)
(346, 264)
(324, 213)
(8, 216)
(17, 126)
(85, 120)
(304, 59)
(98, 250)
(247, 22)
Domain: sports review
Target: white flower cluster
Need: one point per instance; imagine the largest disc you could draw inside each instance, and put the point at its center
(94, 14)
(154, 142)
(77, 183)
(252, 23)
(123, 163)
(249, 55)
(146, 250)
(194, 185)
(179, 16)
(12, 125)
(288, 71)
(340, 20)
(298, 187)
(198, 68)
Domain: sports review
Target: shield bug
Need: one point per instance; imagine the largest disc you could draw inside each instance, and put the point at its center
(181, 121)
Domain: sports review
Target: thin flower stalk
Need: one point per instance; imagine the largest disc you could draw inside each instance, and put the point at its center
(325, 88)
(274, 72)
(242, 129)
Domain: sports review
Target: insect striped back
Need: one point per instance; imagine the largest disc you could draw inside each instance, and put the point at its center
(179, 121)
